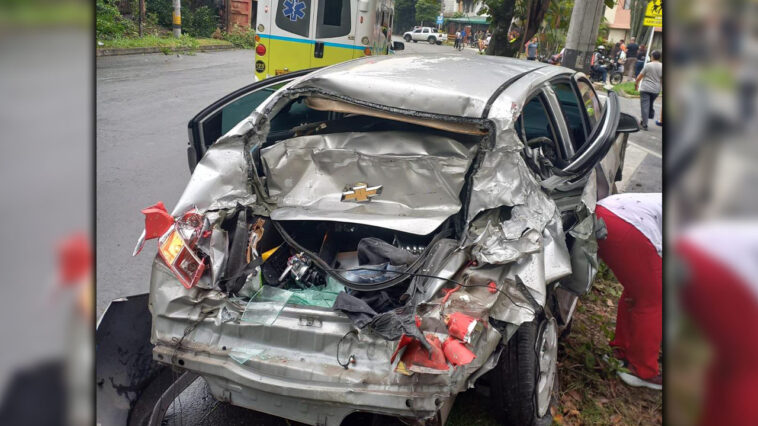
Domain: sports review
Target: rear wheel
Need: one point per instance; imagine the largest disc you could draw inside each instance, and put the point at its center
(525, 378)
(432, 40)
(616, 78)
(407, 38)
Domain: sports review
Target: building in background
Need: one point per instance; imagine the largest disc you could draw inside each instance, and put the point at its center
(619, 19)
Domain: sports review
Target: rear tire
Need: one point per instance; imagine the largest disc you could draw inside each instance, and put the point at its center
(616, 78)
(525, 379)
(407, 38)
(432, 40)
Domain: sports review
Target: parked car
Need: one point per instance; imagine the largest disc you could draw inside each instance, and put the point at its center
(425, 34)
(356, 241)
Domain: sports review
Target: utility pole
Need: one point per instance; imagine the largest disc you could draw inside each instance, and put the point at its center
(582, 34)
(141, 15)
(177, 19)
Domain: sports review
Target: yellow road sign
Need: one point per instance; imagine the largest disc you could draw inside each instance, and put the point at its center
(654, 14)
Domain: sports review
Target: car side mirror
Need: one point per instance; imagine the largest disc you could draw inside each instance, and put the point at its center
(627, 124)
(398, 45)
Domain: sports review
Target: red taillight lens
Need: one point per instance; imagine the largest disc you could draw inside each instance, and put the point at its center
(180, 258)
(260, 50)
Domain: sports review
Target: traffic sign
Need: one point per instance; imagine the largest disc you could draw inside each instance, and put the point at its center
(654, 14)
(439, 20)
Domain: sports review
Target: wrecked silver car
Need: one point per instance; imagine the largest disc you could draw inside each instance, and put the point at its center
(379, 236)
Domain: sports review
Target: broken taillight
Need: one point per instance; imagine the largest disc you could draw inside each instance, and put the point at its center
(180, 258)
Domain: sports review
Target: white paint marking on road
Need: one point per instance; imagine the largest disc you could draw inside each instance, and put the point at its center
(648, 150)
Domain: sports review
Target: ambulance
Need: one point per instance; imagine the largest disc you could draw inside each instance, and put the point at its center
(298, 34)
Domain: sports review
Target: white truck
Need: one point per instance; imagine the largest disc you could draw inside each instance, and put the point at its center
(425, 34)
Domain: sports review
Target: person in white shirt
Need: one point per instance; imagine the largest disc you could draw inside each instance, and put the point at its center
(633, 250)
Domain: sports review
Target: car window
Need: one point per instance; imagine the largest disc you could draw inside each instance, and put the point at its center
(426, 30)
(333, 18)
(572, 112)
(416, 31)
(591, 103)
(535, 121)
(294, 16)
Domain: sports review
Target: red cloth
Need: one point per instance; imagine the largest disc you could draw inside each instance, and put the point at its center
(639, 322)
(726, 311)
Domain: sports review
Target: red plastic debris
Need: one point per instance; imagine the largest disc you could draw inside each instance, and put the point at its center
(460, 325)
(456, 352)
(416, 358)
(404, 341)
(492, 286)
(74, 259)
(157, 220)
(449, 291)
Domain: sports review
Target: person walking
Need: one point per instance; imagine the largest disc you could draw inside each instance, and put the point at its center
(531, 49)
(633, 250)
(462, 44)
(648, 83)
(641, 54)
(457, 39)
(631, 57)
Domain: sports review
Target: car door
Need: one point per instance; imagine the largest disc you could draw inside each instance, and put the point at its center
(332, 31)
(219, 117)
(598, 141)
(416, 35)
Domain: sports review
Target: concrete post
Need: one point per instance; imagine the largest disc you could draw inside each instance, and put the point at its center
(582, 34)
(177, 19)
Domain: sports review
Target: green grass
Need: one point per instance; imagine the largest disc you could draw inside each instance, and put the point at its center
(627, 87)
(166, 44)
(39, 14)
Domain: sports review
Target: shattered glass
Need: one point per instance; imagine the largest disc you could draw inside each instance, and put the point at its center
(243, 355)
(265, 306)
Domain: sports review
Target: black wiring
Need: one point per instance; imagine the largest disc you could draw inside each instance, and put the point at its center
(351, 356)
(416, 274)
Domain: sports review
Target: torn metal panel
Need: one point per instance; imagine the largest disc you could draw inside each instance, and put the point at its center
(421, 177)
(556, 254)
(219, 180)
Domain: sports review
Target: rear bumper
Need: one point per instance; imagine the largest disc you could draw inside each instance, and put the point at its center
(307, 402)
(291, 369)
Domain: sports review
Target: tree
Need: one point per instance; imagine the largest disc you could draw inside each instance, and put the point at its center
(502, 12)
(427, 11)
(405, 16)
(637, 12)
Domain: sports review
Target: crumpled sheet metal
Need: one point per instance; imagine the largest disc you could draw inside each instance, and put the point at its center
(421, 177)
(311, 360)
(427, 84)
(219, 180)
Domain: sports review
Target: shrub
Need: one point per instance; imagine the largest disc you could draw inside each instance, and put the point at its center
(201, 22)
(241, 37)
(109, 22)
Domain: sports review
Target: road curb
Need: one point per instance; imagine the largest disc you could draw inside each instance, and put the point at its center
(143, 50)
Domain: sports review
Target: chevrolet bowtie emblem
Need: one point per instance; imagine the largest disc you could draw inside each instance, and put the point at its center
(360, 192)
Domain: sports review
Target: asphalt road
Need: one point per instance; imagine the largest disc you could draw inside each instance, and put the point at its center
(143, 105)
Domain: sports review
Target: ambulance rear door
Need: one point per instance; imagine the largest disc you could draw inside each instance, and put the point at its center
(290, 40)
(333, 32)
